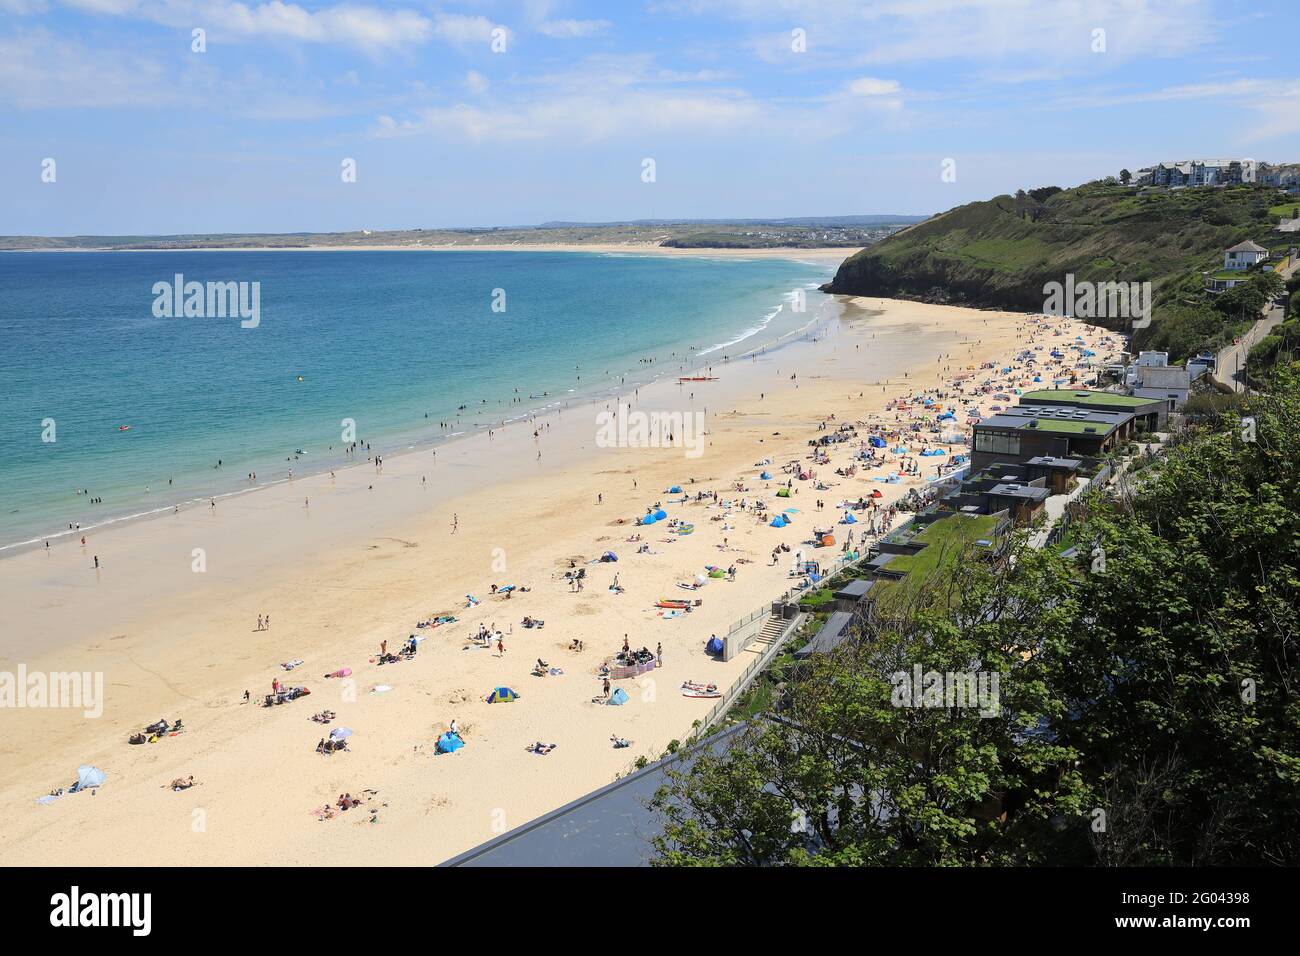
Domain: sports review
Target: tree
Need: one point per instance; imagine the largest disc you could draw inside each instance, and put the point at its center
(1156, 694)
(1125, 176)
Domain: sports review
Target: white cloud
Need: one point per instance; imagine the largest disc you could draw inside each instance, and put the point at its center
(571, 29)
(459, 28)
(373, 29)
(41, 71)
(870, 86)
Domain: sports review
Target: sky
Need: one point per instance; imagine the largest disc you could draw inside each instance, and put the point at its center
(117, 118)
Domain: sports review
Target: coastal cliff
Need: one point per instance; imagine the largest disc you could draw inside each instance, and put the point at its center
(1000, 252)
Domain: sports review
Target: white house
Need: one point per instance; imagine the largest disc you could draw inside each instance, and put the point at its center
(1170, 383)
(1244, 255)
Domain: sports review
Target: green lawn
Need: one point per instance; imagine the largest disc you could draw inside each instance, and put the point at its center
(1285, 210)
(1093, 398)
(1061, 426)
(946, 541)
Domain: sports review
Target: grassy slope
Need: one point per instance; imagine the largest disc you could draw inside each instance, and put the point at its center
(999, 253)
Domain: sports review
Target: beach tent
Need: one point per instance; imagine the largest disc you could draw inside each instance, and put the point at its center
(765, 476)
(714, 646)
(449, 743)
(649, 519)
(660, 514)
(608, 556)
(502, 695)
(675, 490)
(877, 441)
(780, 521)
(783, 492)
(340, 733)
(618, 698)
(88, 778)
(848, 518)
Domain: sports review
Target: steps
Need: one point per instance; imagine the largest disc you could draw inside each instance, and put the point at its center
(771, 631)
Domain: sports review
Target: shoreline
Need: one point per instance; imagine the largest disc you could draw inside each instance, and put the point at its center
(405, 444)
(767, 252)
(374, 553)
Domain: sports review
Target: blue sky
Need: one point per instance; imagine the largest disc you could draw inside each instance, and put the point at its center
(149, 136)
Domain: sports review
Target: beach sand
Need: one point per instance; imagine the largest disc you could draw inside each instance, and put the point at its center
(343, 563)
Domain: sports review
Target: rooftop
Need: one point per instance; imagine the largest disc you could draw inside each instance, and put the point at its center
(1028, 492)
(608, 827)
(1083, 396)
(1061, 464)
(1248, 246)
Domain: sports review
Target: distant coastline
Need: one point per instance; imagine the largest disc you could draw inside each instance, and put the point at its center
(756, 252)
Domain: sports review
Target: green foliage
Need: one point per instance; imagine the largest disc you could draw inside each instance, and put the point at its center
(1001, 252)
(1159, 689)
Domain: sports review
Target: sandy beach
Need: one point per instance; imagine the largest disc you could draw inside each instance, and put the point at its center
(342, 563)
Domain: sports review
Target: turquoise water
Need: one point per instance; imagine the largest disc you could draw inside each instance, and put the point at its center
(397, 341)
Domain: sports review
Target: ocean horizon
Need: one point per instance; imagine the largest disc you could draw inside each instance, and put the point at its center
(111, 393)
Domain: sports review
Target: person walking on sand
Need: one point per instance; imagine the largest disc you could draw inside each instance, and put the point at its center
(659, 653)
(96, 562)
(259, 622)
(606, 688)
(501, 645)
(455, 522)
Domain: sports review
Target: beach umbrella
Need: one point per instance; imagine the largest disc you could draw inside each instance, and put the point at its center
(340, 733)
(88, 778)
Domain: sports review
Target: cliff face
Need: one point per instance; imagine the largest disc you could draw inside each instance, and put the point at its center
(1000, 253)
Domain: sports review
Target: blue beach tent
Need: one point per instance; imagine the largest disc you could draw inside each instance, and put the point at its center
(502, 695)
(780, 521)
(449, 743)
(765, 476)
(675, 490)
(618, 698)
(660, 514)
(714, 646)
(848, 518)
(88, 778)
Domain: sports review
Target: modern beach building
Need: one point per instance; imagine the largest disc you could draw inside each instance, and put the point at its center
(1048, 431)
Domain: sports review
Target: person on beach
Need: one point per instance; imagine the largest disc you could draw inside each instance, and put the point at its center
(501, 646)
(659, 653)
(606, 688)
(259, 622)
(96, 562)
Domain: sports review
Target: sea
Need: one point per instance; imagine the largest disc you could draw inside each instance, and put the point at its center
(115, 404)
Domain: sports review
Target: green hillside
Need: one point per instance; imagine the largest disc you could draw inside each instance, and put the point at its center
(999, 253)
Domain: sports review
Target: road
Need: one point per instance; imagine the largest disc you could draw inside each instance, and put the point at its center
(1232, 358)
